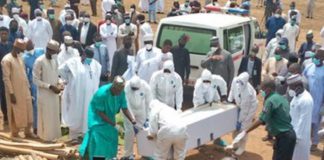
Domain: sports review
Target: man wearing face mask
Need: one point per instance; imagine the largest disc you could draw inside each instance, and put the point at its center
(102, 136)
(283, 48)
(291, 32)
(294, 12)
(275, 66)
(19, 100)
(133, 14)
(203, 92)
(315, 76)
(87, 30)
(244, 96)
(40, 30)
(55, 24)
(253, 66)
(22, 24)
(138, 96)
(82, 77)
(144, 29)
(272, 46)
(166, 86)
(301, 108)
(67, 51)
(14, 33)
(101, 55)
(4, 20)
(124, 60)
(29, 57)
(219, 62)
(275, 115)
(273, 24)
(147, 59)
(108, 34)
(309, 45)
(69, 27)
(127, 29)
(46, 78)
(181, 58)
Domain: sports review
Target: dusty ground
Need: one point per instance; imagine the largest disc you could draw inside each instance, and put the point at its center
(256, 149)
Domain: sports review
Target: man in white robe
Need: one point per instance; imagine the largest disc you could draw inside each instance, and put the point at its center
(144, 29)
(147, 59)
(67, 51)
(108, 32)
(45, 77)
(82, 77)
(272, 46)
(301, 108)
(40, 31)
(22, 24)
(291, 32)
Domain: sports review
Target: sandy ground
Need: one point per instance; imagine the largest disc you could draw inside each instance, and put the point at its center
(256, 148)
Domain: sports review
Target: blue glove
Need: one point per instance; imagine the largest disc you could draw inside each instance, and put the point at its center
(146, 123)
(238, 126)
(135, 130)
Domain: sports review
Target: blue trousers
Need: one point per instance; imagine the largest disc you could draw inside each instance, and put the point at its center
(152, 15)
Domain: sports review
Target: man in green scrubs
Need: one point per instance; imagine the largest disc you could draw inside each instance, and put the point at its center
(276, 117)
(101, 140)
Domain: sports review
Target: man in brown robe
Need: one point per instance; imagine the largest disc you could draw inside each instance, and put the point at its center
(18, 96)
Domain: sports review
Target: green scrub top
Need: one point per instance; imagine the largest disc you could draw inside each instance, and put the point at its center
(101, 140)
(275, 114)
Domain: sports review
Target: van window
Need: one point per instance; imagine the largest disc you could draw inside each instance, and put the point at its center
(234, 39)
(199, 37)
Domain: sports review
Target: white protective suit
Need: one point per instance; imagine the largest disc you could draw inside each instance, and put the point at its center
(160, 6)
(271, 46)
(106, 6)
(144, 5)
(301, 108)
(144, 30)
(82, 81)
(167, 87)
(40, 32)
(4, 21)
(244, 95)
(170, 132)
(138, 103)
(219, 86)
(291, 33)
(203, 92)
(163, 57)
(109, 35)
(66, 53)
(147, 62)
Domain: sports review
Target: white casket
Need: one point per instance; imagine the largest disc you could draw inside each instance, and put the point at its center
(204, 124)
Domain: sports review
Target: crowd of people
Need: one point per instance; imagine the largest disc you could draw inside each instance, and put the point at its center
(67, 71)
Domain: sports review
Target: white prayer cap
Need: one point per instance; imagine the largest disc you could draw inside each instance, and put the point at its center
(53, 45)
(15, 10)
(206, 75)
(148, 37)
(68, 40)
(168, 65)
(135, 81)
(294, 79)
(38, 11)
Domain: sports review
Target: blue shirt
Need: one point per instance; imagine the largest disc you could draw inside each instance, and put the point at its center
(101, 55)
(273, 25)
(14, 35)
(152, 7)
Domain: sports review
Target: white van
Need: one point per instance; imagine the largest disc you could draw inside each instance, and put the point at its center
(236, 35)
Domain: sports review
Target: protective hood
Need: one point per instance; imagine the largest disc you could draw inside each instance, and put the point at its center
(168, 65)
(279, 32)
(135, 82)
(206, 75)
(244, 78)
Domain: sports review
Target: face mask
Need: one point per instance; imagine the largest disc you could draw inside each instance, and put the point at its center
(87, 20)
(127, 21)
(206, 85)
(138, 22)
(278, 57)
(88, 61)
(116, 10)
(16, 16)
(291, 93)
(108, 22)
(54, 56)
(213, 49)
(283, 47)
(292, 23)
(38, 18)
(69, 22)
(132, 9)
(42, 6)
(51, 16)
(148, 47)
(316, 61)
(97, 44)
(263, 94)
(81, 19)
(277, 15)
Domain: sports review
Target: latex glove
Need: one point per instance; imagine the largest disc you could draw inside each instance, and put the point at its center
(238, 126)
(146, 123)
